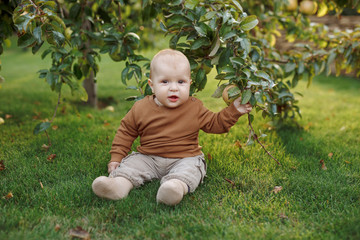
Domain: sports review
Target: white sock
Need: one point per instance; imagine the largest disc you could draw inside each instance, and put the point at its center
(112, 188)
(171, 192)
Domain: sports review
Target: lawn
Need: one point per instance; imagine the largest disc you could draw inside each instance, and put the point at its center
(49, 197)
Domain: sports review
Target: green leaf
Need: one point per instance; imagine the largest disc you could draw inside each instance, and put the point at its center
(262, 74)
(251, 117)
(124, 74)
(163, 27)
(45, 53)
(41, 127)
(224, 58)
(37, 34)
(237, 4)
(229, 35)
(234, 92)
(245, 98)
(245, 44)
(26, 40)
(210, 15)
(22, 22)
(237, 60)
(59, 38)
(249, 23)
(215, 47)
(301, 67)
(200, 31)
(51, 4)
(36, 47)
(218, 92)
(200, 75)
(57, 19)
(200, 42)
(290, 66)
(247, 72)
(77, 71)
(259, 97)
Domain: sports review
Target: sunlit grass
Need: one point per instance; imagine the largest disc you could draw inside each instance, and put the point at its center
(236, 200)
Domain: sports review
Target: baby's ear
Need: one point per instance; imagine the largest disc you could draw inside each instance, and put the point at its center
(150, 84)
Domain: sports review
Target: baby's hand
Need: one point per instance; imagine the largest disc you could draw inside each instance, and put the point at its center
(112, 166)
(242, 108)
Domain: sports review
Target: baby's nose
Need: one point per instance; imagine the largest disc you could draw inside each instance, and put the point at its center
(173, 86)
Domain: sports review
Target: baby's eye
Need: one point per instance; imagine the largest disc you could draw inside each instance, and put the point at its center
(181, 81)
(164, 81)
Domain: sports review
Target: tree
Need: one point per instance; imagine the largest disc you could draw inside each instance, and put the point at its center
(237, 38)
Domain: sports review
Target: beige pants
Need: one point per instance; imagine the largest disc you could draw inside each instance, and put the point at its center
(139, 168)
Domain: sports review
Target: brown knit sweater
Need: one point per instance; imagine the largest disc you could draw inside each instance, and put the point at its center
(169, 132)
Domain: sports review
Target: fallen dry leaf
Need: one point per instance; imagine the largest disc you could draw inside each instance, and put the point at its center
(41, 185)
(237, 144)
(229, 181)
(209, 157)
(307, 127)
(277, 189)
(8, 116)
(342, 128)
(283, 216)
(110, 108)
(55, 127)
(79, 233)
(51, 157)
(57, 227)
(330, 155)
(347, 162)
(45, 147)
(323, 166)
(2, 121)
(90, 116)
(2, 165)
(9, 195)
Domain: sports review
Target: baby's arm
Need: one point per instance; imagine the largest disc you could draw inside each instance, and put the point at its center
(242, 108)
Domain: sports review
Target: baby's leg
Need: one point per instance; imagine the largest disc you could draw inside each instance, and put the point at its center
(171, 192)
(184, 176)
(134, 170)
(112, 188)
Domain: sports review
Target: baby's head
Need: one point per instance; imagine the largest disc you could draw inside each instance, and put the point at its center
(170, 78)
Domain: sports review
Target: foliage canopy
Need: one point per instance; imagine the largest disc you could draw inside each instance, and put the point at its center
(237, 38)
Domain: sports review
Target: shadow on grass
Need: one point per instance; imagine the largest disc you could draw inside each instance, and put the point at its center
(329, 192)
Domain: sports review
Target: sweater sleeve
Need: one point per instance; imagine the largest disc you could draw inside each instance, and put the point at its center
(124, 137)
(220, 122)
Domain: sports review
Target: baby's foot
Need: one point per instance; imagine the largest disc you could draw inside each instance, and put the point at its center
(171, 192)
(111, 188)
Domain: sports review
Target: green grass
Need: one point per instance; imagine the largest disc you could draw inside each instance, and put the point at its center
(314, 204)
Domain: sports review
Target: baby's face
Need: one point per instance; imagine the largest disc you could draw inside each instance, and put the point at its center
(170, 81)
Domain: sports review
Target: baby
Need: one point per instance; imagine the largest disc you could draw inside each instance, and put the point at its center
(168, 123)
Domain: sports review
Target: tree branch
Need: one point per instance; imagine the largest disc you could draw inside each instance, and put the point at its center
(257, 139)
(277, 61)
(57, 105)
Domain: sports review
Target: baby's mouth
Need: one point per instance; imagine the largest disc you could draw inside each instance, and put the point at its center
(173, 98)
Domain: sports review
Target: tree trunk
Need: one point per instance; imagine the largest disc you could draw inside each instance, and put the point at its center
(89, 83)
(90, 87)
